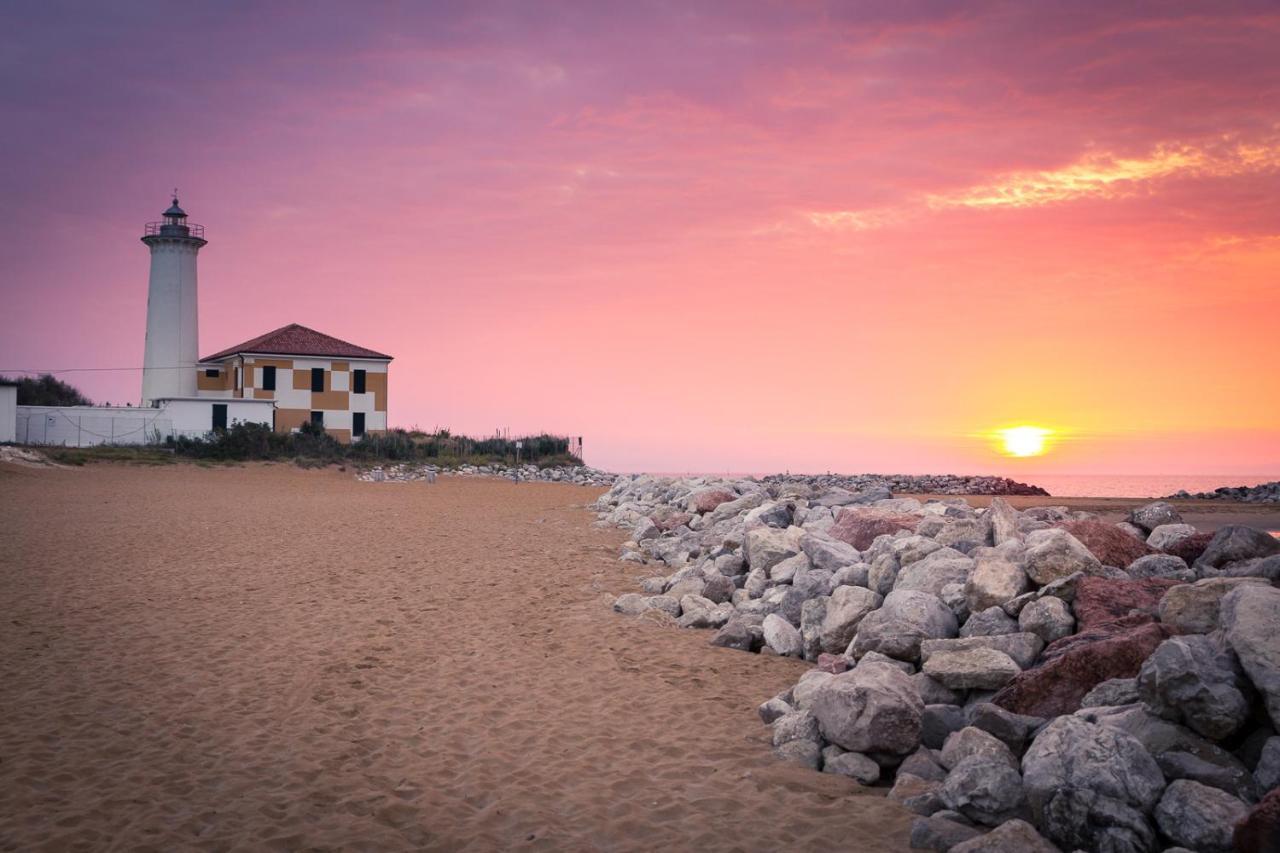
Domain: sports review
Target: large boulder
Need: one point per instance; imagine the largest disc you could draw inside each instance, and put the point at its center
(1198, 817)
(971, 742)
(1111, 545)
(1015, 836)
(827, 553)
(972, 669)
(984, 791)
(871, 708)
(1054, 554)
(1196, 681)
(1004, 521)
(1072, 666)
(765, 547)
(859, 526)
(782, 637)
(1153, 515)
(846, 609)
(1194, 608)
(1091, 786)
(907, 618)
(989, 623)
(1048, 618)
(1102, 600)
(705, 500)
(1022, 648)
(1167, 536)
(1190, 547)
(1250, 618)
(1236, 542)
(933, 573)
(1259, 832)
(994, 580)
(1160, 566)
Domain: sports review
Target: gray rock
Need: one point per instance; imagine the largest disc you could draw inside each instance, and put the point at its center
(765, 547)
(645, 529)
(923, 764)
(1004, 522)
(1196, 681)
(773, 709)
(731, 565)
(1160, 566)
(938, 722)
(906, 618)
(987, 792)
(1133, 530)
(991, 622)
(1267, 773)
(812, 616)
(1015, 836)
(876, 657)
(1199, 817)
(931, 691)
(1152, 515)
(797, 725)
(811, 582)
(1013, 730)
(846, 609)
(1083, 779)
(785, 571)
(806, 753)
(718, 588)
(1113, 691)
(916, 794)
(972, 742)
(1024, 648)
(1229, 778)
(1054, 554)
(654, 585)
(855, 765)
(1194, 608)
(969, 669)
(804, 691)
(1236, 542)
(630, 603)
(853, 575)
(784, 600)
(931, 575)
(1250, 617)
(715, 617)
(774, 514)
(1166, 536)
(782, 637)
(952, 595)
(994, 580)
(939, 833)
(1048, 618)
(738, 634)
(871, 708)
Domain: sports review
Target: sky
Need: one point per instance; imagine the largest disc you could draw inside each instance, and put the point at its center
(728, 236)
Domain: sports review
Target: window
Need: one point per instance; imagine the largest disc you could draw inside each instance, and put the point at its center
(219, 416)
(317, 379)
(211, 372)
(357, 424)
(268, 379)
(357, 381)
(317, 418)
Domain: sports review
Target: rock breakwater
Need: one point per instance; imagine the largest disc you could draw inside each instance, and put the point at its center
(1263, 493)
(913, 484)
(578, 475)
(1033, 680)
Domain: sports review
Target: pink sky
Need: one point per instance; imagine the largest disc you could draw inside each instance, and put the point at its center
(748, 237)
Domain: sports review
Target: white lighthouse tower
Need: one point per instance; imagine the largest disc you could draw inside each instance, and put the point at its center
(169, 365)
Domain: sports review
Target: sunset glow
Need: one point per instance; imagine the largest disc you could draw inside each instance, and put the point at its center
(745, 237)
(1024, 441)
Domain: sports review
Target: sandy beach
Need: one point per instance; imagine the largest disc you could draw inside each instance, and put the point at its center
(263, 657)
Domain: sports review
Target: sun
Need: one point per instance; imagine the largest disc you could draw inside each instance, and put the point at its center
(1024, 440)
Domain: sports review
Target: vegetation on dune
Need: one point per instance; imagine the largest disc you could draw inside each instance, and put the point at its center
(47, 390)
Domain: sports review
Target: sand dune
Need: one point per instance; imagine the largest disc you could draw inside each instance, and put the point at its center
(269, 658)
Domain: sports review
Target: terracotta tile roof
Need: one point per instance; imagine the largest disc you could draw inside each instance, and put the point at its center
(297, 340)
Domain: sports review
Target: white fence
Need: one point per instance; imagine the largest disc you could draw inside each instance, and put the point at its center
(85, 426)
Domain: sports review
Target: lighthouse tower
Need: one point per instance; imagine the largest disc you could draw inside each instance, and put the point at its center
(169, 365)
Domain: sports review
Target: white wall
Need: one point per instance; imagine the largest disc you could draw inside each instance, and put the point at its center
(196, 416)
(8, 412)
(85, 426)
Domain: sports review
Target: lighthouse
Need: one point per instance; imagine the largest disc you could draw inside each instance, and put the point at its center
(169, 363)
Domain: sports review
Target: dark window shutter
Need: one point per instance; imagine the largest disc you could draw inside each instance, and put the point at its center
(268, 379)
(219, 415)
(317, 418)
(357, 380)
(357, 424)
(317, 379)
(211, 372)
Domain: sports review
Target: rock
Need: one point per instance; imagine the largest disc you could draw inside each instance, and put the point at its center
(939, 721)
(1111, 545)
(1054, 554)
(645, 529)
(1023, 648)
(876, 657)
(687, 586)
(966, 533)
(1015, 836)
(1083, 780)
(717, 588)
(1004, 521)
(1048, 618)
(932, 575)
(905, 619)
(860, 526)
(653, 586)
(804, 691)
(630, 603)
(1250, 617)
(1166, 536)
(834, 664)
(1153, 515)
(871, 708)
(1267, 772)
(991, 622)
(797, 725)
(846, 609)
(855, 575)
(1236, 542)
(1161, 566)
(786, 601)
(1196, 681)
(705, 500)
(765, 547)
(1265, 568)
(1199, 817)
(984, 791)
(916, 794)
(773, 709)
(1259, 832)
(738, 634)
(1191, 547)
(1013, 730)
(970, 669)
(786, 570)
(993, 581)
(731, 565)
(1074, 665)
(939, 833)
(1114, 691)
(781, 636)
(812, 616)
(1133, 530)
(971, 742)
(855, 765)
(923, 764)
(697, 612)
(1102, 600)
(1193, 608)
(804, 752)
(774, 514)
(932, 692)
(1185, 765)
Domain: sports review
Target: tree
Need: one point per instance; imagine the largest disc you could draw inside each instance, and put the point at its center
(47, 390)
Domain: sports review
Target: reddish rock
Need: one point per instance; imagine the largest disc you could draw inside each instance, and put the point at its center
(1072, 666)
(672, 521)
(1111, 545)
(859, 526)
(834, 664)
(1102, 600)
(1259, 832)
(1190, 548)
(709, 499)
